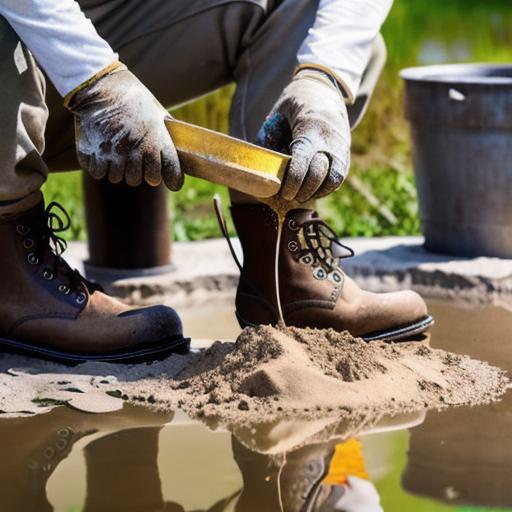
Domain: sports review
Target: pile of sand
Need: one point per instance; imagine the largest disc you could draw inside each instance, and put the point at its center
(268, 372)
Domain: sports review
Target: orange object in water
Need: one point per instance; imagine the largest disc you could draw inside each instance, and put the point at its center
(348, 460)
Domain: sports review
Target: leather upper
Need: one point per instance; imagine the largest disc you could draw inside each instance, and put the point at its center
(43, 301)
(314, 290)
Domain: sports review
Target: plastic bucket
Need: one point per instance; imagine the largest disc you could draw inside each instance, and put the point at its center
(461, 124)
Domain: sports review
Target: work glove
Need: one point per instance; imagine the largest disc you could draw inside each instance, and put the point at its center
(358, 495)
(310, 121)
(120, 132)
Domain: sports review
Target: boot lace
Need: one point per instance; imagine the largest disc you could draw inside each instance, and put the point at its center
(55, 220)
(320, 242)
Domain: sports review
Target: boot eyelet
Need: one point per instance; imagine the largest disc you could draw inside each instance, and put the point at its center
(49, 452)
(307, 259)
(22, 230)
(61, 444)
(64, 289)
(319, 273)
(293, 246)
(336, 277)
(47, 274)
(81, 298)
(28, 243)
(32, 259)
(292, 224)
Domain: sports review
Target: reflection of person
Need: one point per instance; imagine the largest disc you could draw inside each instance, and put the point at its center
(321, 477)
(122, 467)
(304, 62)
(122, 471)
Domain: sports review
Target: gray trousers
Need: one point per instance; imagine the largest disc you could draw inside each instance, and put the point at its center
(180, 49)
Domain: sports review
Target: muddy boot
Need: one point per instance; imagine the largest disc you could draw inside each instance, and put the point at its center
(313, 289)
(49, 310)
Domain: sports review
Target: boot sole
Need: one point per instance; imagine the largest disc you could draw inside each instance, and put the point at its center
(401, 332)
(393, 334)
(143, 354)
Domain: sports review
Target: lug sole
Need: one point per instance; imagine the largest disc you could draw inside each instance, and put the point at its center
(143, 354)
(392, 334)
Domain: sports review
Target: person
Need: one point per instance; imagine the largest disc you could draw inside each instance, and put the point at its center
(73, 95)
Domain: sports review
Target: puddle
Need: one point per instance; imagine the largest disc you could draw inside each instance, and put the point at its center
(137, 460)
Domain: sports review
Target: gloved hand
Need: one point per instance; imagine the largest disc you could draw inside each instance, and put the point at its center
(120, 132)
(310, 120)
(358, 496)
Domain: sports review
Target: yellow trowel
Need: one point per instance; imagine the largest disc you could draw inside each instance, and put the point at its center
(227, 161)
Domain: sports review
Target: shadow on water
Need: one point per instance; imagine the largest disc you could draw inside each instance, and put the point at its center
(142, 461)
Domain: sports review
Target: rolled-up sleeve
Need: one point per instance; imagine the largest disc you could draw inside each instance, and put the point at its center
(341, 38)
(63, 41)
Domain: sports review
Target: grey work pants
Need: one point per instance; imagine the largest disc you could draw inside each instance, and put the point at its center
(180, 49)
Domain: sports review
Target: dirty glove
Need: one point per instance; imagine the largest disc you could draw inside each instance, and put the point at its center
(120, 131)
(358, 496)
(310, 121)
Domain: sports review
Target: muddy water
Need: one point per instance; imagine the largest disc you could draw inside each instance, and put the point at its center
(136, 460)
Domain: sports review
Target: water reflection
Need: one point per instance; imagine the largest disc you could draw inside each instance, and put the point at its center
(290, 466)
(464, 455)
(322, 477)
(140, 461)
(121, 465)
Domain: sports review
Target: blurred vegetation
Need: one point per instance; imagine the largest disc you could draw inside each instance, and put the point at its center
(379, 197)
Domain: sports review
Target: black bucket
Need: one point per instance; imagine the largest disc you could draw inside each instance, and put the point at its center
(461, 123)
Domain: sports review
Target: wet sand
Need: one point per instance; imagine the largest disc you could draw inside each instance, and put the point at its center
(267, 373)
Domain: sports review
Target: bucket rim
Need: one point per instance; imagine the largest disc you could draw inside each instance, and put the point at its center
(470, 73)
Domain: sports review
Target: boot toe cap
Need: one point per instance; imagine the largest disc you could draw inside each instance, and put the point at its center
(155, 324)
(413, 306)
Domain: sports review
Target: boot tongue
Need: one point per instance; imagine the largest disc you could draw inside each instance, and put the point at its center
(302, 215)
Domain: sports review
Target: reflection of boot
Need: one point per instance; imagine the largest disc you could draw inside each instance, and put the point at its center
(122, 472)
(307, 479)
(48, 309)
(302, 477)
(313, 289)
(289, 483)
(31, 449)
(261, 479)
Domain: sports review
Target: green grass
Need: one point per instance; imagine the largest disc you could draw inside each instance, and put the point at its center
(416, 32)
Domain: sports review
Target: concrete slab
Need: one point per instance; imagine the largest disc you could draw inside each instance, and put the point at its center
(205, 270)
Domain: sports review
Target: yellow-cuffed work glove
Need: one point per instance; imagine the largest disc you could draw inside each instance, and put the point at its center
(120, 131)
(310, 121)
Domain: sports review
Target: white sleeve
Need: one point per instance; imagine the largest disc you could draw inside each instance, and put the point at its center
(63, 41)
(341, 38)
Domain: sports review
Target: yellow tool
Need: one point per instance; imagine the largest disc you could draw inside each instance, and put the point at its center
(228, 161)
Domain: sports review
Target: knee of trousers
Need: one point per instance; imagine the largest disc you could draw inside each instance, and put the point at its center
(23, 115)
(267, 65)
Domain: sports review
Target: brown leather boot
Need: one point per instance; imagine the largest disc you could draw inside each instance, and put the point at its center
(49, 310)
(313, 289)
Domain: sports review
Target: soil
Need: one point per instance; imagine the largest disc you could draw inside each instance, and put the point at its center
(267, 373)
(286, 371)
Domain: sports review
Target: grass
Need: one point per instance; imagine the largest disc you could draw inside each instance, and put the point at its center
(379, 198)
